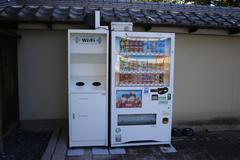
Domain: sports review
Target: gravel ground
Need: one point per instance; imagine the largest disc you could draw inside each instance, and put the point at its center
(221, 145)
(24, 145)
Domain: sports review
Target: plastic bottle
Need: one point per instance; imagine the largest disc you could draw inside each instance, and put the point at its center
(126, 46)
(121, 64)
(140, 46)
(126, 65)
(122, 45)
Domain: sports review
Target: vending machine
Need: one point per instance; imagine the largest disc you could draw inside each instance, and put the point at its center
(142, 69)
(88, 87)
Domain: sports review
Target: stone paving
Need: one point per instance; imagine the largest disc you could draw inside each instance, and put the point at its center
(221, 145)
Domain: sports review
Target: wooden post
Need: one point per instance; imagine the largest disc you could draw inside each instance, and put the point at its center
(1, 136)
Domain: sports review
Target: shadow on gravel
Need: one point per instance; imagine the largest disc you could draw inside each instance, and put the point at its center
(24, 145)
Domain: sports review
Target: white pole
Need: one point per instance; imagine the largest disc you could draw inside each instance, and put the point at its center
(97, 19)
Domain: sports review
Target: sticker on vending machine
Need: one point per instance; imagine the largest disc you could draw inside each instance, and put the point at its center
(118, 130)
(146, 90)
(162, 100)
(118, 138)
(165, 113)
(129, 98)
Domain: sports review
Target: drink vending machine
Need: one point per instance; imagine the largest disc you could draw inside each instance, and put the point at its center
(88, 87)
(142, 70)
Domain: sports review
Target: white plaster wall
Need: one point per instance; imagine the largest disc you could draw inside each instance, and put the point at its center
(42, 61)
(207, 76)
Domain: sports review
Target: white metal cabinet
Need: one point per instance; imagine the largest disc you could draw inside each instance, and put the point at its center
(88, 87)
(88, 118)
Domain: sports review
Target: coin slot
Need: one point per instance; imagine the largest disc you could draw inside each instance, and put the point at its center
(154, 97)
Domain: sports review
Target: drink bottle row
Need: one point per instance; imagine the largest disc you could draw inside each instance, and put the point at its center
(150, 46)
(141, 66)
(141, 79)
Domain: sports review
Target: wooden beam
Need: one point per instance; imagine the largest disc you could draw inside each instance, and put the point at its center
(8, 33)
(233, 31)
(8, 25)
(148, 28)
(61, 147)
(49, 25)
(1, 105)
(51, 145)
(192, 29)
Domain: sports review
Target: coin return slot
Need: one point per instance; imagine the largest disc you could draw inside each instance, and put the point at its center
(165, 120)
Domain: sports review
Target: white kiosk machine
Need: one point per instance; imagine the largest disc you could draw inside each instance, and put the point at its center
(88, 87)
(141, 87)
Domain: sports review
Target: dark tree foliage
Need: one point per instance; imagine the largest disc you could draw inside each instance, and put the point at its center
(232, 3)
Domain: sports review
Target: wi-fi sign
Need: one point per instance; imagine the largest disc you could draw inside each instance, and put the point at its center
(99, 40)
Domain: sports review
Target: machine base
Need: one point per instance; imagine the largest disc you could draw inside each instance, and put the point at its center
(140, 144)
(87, 143)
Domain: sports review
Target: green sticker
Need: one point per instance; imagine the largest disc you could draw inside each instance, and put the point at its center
(162, 100)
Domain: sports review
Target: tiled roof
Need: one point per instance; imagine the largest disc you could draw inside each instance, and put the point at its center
(74, 11)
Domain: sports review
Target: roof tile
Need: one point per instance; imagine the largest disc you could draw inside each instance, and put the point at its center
(145, 13)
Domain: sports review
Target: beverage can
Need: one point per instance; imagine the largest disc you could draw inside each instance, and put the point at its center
(145, 46)
(140, 66)
(130, 48)
(121, 79)
(158, 66)
(161, 78)
(129, 79)
(130, 66)
(149, 44)
(129, 42)
(156, 78)
(137, 79)
(140, 44)
(137, 49)
(154, 46)
(125, 78)
(136, 43)
(153, 79)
